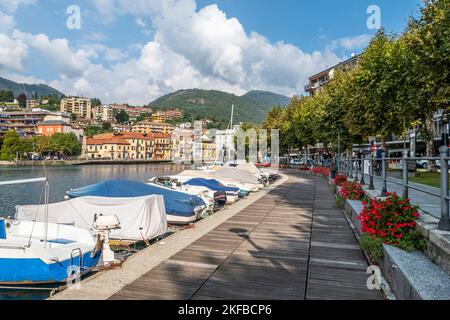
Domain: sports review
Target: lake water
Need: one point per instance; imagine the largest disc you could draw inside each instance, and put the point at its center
(64, 178)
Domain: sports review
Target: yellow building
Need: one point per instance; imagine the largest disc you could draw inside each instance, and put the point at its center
(81, 107)
(208, 149)
(121, 146)
(153, 127)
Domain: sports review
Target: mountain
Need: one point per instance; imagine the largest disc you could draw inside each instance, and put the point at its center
(216, 105)
(18, 88)
(267, 98)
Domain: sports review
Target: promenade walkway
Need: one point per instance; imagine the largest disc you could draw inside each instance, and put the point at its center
(290, 244)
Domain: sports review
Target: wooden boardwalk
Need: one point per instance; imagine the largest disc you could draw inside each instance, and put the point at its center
(291, 244)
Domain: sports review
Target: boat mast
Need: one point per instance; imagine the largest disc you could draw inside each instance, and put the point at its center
(46, 199)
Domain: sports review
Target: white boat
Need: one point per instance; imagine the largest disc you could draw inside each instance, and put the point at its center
(231, 196)
(243, 185)
(142, 218)
(27, 258)
(41, 252)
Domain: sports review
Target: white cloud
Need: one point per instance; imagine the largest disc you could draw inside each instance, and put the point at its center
(353, 43)
(12, 53)
(66, 61)
(7, 23)
(13, 5)
(190, 48)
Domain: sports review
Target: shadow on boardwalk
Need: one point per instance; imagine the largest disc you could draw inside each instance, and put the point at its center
(291, 244)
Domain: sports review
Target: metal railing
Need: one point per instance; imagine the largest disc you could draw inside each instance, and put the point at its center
(354, 168)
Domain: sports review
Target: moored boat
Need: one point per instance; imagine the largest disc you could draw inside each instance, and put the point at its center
(181, 207)
(231, 192)
(34, 252)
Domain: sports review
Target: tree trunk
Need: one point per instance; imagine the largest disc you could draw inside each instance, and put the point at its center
(431, 133)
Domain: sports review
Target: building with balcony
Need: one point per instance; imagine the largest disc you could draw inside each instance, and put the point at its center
(26, 122)
(79, 106)
(120, 146)
(318, 81)
(146, 127)
(33, 103)
(102, 114)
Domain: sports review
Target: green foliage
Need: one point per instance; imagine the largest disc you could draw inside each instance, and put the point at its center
(400, 81)
(6, 96)
(122, 116)
(14, 145)
(41, 90)
(216, 105)
(95, 102)
(373, 247)
(91, 131)
(22, 99)
(63, 144)
(340, 202)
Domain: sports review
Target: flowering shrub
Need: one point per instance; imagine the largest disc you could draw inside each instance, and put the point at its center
(321, 170)
(352, 190)
(392, 222)
(339, 180)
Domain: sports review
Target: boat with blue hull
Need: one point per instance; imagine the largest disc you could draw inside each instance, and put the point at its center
(232, 193)
(26, 260)
(181, 208)
(34, 252)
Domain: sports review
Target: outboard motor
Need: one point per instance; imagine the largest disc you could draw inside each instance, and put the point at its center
(103, 225)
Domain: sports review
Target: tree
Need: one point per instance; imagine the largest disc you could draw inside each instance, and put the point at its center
(66, 144)
(96, 102)
(42, 145)
(122, 116)
(22, 99)
(13, 145)
(428, 83)
(6, 96)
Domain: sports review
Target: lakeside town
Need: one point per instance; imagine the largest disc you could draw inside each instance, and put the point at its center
(121, 132)
(288, 173)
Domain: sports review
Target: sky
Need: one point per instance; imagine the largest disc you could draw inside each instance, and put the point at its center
(134, 51)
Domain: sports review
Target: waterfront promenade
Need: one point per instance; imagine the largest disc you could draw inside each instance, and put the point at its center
(290, 243)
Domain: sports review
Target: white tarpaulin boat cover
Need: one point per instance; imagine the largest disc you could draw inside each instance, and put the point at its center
(141, 218)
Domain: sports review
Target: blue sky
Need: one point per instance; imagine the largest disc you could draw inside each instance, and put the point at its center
(134, 51)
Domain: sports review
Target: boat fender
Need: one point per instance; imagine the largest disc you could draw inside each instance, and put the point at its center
(2, 229)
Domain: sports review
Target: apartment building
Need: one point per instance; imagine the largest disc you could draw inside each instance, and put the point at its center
(163, 146)
(33, 103)
(208, 149)
(318, 81)
(26, 122)
(146, 127)
(79, 106)
(103, 113)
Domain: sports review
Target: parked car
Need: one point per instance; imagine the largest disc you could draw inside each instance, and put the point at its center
(438, 163)
(422, 164)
